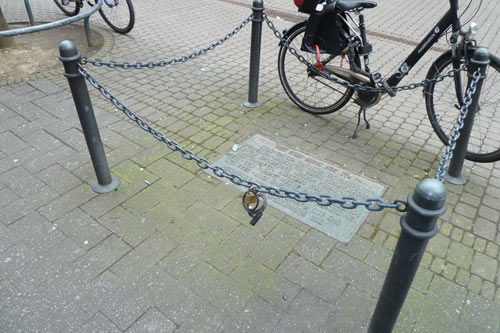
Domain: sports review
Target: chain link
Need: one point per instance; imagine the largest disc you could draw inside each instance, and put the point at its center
(455, 132)
(371, 204)
(347, 84)
(163, 63)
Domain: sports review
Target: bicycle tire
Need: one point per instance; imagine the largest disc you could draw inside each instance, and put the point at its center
(312, 94)
(440, 102)
(120, 18)
(71, 9)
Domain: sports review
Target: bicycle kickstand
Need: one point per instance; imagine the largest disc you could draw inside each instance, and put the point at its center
(362, 109)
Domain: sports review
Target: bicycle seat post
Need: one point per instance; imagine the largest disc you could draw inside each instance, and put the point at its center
(366, 48)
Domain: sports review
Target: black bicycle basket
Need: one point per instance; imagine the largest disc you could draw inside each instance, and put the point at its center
(326, 29)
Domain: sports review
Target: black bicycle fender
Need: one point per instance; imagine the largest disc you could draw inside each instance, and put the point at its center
(288, 32)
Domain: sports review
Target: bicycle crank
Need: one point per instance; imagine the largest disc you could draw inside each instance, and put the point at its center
(363, 98)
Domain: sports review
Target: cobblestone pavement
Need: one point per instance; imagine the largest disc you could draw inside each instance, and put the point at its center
(179, 254)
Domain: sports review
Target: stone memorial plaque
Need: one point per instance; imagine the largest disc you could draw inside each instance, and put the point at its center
(266, 162)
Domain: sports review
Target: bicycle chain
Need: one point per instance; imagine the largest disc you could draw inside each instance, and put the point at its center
(371, 204)
(163, 63)
(455, 132)
(347, 84)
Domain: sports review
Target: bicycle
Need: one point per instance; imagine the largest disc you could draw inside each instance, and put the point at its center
(328, 40)
(120, 17)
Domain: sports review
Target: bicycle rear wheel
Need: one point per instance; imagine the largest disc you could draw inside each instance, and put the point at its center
(441, 103)
(118, 14)
(71, 9)
(310, 92)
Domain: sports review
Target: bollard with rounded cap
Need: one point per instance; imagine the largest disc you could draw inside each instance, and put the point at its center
(255, 45)
(425, 204)
(480, 60)
(71, 58)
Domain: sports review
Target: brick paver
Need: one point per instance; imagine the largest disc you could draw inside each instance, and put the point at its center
(172, 248)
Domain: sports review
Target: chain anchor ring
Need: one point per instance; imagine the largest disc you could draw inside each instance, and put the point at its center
(254, 203)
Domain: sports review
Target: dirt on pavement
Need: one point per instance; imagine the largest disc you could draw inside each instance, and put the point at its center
(38, 52)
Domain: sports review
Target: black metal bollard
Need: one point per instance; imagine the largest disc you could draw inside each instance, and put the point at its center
(71, 58)
(253, 84)
(425, 205)
(480, 60)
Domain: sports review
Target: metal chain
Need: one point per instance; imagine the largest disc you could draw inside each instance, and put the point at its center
(163, 63)
(455, 132)
(347, 84)
(371, 204)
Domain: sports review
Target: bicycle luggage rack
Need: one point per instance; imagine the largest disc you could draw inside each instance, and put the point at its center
(46, 26)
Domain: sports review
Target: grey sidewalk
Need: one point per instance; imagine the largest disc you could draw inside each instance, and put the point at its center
(179, 254)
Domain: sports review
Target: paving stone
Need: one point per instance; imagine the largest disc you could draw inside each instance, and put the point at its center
(133, 174)
(462, 277)
(479, 244)
(170, 296)
(149, 197)
(409, 313)
(346, 267)
(258, 316)
(128, 227)
(358, 247)
(58, 178)
(7, 239)
(36, 232)
(21, 182)
(320, 282)
(489, 213)
(14, 258)
(485, 228)
(271, 286)
(477, 313)
(102, 256)
(15, 143)
(119, 302)
(226, 294)
(306, 313)
(67, 202)
(233, 249)
(379, 258)
(84, 230)
(144, 256)
(315, 246)
(484, 266)
(475, 284)
(438, 245)
(101, 204)
(99, 323)
(352, 311)
(277, 245)
(460, 255)
(448, 298)
(42, 141)
(492, 249)
(45, 86)
(153, 321)
(46, 159)
(488, 290)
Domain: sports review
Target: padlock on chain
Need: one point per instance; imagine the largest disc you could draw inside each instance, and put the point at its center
(254, 203)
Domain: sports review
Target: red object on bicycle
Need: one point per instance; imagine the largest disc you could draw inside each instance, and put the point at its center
(342, 60)
(319, 65)
(298, 3)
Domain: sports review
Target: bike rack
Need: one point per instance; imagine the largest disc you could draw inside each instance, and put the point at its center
(46, 26)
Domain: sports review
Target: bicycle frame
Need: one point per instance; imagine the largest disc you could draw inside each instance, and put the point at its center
(451, 18)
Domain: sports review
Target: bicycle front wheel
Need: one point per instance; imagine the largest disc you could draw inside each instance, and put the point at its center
(442, 108)
(310, 92)
(118, 14)
(71, 9)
